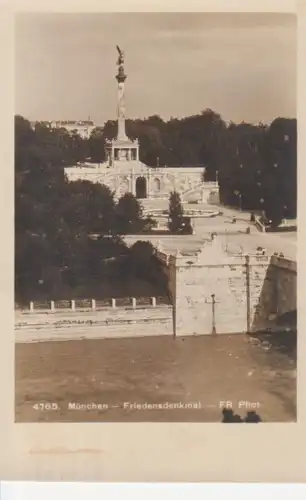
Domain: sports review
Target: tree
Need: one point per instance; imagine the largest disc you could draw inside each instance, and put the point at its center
(280, 173)
(240, 173)
(55, 219)
(128, 214)
(141, 254)
(176, 213)
(96, 145)
(186, 226)
(141, 262)
(89, 208)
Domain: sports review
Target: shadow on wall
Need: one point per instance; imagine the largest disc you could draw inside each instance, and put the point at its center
(278, 293)
(266, 308)
(287, 319)
(213, 198)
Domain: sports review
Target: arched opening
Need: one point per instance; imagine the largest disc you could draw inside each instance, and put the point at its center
(141, 187)
(156, 184)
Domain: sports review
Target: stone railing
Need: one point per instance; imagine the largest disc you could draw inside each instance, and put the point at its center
(79, 305)
(285, 227)
(284, 263)
(259, 225)
(108, 322)
(282, 229)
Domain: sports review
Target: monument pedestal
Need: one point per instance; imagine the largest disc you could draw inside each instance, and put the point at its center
(122, 150)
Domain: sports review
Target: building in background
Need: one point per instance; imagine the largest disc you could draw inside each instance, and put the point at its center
(82, 127)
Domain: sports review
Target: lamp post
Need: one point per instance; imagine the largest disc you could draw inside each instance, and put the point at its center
(261, 201)
(240, 195)
(237, 193)
(213, 303)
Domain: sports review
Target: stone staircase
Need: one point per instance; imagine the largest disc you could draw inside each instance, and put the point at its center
(194, 193)
(199, 193)
(150, 205)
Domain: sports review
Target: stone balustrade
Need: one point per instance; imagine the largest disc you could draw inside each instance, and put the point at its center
(212, 292)
(259, 225)
(110, 322)
(76, 305)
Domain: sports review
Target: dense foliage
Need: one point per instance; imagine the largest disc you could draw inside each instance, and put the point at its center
(256, 165)
(56, 255)
(176, 213)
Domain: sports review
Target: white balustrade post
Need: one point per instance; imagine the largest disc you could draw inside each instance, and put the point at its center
(114, 303)
(52, 305)
(32, 306)
(154, 301)
(93, 304)
(73, 305)
(133, 302)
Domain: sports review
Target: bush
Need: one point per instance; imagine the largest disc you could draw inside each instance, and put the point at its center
(176, 213)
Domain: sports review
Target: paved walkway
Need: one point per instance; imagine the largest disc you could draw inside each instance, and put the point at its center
(285, 243)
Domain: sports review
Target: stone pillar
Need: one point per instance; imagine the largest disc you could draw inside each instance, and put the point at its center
(153, 301)
(32, 306)
(121, 111)
(93, 304)
(133, 302)
(133, 183)
(121, 77)
(52, 305)
(148, 184)
(73, 305)
(114, 303)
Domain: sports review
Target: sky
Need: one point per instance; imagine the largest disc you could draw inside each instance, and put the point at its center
(242, 66)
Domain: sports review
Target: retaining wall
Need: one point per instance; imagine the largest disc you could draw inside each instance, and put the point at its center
(214, 293)
(103, 323)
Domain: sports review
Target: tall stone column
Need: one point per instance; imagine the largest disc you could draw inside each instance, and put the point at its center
(121, 113)
(149, 186)
(121, 77)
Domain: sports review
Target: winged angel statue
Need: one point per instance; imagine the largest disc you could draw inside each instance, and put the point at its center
(121, 56)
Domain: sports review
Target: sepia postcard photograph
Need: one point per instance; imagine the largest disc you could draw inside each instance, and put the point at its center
(155, 217)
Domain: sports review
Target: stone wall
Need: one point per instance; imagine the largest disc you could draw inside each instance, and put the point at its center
(122, 176)
(106, 323)
(286, 285)
(210, 298)
(273, 293)
(214, 292)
